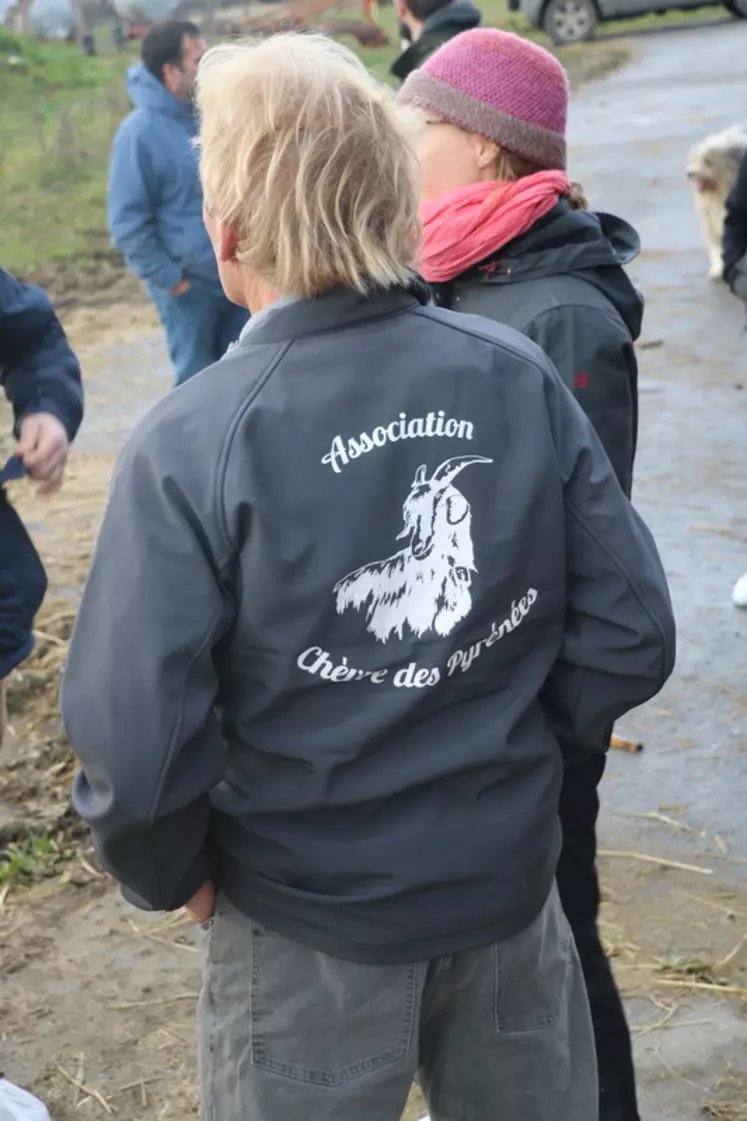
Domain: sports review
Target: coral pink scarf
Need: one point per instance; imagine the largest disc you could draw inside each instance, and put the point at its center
(465, 226)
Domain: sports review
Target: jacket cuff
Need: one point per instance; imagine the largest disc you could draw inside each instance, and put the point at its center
(163, 279)
(181, 893)
(69, 416)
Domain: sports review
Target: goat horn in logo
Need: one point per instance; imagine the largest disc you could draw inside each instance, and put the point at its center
(450, 468)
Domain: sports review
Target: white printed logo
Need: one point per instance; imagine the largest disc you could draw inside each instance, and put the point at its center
(425, 586)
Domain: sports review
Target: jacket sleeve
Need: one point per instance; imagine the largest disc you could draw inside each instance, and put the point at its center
(735, 226)
(595, 357)
(140, 685)
(132, 211)
(618, 647)
(38, 370)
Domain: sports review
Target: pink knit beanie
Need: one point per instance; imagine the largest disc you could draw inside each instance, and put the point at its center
(500, 86)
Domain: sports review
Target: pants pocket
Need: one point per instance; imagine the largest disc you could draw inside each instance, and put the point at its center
(532, 972)
(320, 1020)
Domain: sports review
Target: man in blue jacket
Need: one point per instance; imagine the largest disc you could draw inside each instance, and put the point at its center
(41, 378)
(155, 201)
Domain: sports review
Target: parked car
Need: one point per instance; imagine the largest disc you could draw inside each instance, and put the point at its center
(573, 21)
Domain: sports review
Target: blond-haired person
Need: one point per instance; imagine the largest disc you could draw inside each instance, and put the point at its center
(352, 586)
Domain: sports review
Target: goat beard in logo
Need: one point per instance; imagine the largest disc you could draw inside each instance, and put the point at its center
(425, 586)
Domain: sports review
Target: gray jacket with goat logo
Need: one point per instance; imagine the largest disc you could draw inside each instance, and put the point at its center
(353, 585)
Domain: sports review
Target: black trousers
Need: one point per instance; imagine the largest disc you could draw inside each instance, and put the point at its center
(579, 893)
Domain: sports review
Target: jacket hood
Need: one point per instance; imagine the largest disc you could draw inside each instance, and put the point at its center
(148, 93)
(594, 247)
(459, 13)
(458, 16)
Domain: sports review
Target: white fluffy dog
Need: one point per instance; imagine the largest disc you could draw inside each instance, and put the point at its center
(712, 170)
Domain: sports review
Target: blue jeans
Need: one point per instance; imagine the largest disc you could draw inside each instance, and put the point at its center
(200, 326)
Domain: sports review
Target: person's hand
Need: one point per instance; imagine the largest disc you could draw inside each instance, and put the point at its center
(180, 288)
(43, 446)
(202, 904)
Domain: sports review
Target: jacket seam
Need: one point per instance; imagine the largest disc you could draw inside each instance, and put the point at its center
(612, 316)
(624, 571)
(610, 312)
(174, 739)
(221, 564)
(314, 334)
(225, 454)
(497, 344)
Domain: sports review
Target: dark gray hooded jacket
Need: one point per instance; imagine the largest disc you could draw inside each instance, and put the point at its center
(563, 285)
(352, 585)
(450, 20)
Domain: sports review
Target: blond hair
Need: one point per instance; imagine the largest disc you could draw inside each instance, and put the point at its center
(311, 164)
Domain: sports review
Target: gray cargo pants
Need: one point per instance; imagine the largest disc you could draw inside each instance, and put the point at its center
(497, 1034)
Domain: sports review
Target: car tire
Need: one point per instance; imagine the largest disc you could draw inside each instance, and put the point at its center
(737, 8)
(573, 21)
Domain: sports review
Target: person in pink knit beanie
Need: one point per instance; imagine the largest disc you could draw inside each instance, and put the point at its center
(501, 86)
(507, 236)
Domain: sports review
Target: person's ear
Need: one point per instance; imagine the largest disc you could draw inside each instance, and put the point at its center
(401, 9)
(171, 75)
(486, 153)
(227, 242)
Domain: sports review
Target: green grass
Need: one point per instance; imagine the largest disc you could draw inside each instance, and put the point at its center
(28, 860)
(59, 111)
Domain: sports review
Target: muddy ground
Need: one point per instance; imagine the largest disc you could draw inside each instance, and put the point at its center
(97, 1000)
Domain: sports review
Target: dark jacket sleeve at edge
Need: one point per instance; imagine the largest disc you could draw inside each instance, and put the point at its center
(735, 225)
(619, 643)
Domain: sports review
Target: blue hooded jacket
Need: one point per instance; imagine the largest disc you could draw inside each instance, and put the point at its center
(155, 197)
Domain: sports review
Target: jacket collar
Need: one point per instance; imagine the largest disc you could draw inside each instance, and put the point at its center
(292, 319)
(147, 92)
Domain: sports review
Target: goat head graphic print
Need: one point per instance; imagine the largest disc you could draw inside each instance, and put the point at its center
(425, 586)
